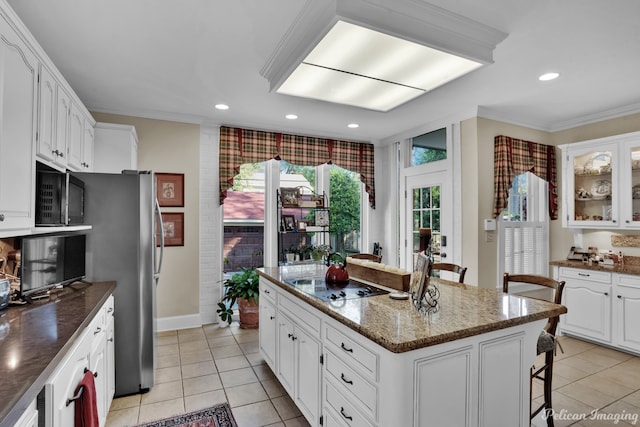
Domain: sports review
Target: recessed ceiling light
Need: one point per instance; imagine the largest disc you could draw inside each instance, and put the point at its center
(548, 76)
(222, 106)
(353, 125)
(291, 116)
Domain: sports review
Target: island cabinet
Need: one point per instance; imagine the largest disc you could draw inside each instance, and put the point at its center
(379, 362)
(604, 306)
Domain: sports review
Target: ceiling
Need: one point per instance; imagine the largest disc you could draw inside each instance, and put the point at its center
(174, 60)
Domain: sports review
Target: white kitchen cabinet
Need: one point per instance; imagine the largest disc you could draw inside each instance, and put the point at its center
(298, 366)
(115, 148)
(627, 308)
(91, 351)
(46, 141)
(63, 118)
(111, 355)
(18, 108)
(267, 333)
(81, 141)
(587, 296)
(599, 178)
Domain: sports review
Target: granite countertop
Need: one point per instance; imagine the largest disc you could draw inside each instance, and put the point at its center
(397, 326)
(34, 339)
(628, 267)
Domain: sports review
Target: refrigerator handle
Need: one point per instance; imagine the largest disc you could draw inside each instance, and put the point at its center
(156, 274)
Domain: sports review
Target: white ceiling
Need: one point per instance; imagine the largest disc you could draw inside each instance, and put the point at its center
(174, 60)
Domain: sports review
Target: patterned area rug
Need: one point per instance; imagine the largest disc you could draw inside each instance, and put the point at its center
(216, 416)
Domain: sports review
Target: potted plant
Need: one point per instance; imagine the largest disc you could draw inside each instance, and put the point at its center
(242, 287)
(319, 251)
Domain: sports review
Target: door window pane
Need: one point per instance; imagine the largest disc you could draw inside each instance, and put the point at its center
(429, 147)
(426, 214)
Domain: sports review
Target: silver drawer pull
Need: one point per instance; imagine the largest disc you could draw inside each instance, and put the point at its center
(343, 378)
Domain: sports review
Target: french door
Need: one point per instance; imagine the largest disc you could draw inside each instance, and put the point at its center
(428, 204)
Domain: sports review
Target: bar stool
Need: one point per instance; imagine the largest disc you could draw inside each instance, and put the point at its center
(546, 340)
(454, 268)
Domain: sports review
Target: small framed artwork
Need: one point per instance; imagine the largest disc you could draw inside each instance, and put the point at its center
(173, 229)
(302, 225)
(289, 222)
(170, 189)
(290, 197)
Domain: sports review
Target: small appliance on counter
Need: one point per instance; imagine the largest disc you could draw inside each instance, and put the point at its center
(575, 254)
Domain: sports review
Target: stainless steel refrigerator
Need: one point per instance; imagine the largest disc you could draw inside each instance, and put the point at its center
(122, 210)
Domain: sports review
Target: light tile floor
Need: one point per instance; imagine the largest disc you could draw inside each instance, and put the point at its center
(197, 368)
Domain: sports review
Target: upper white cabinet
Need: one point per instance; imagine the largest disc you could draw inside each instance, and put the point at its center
(115, 148)
(80, 141)
(601, 182)
(46, 142)
(18, 103)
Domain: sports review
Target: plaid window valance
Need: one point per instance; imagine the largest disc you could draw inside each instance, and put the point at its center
(513, 157)
(239, 146)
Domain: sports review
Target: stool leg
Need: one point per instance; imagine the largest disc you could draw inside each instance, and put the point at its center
(548, 390)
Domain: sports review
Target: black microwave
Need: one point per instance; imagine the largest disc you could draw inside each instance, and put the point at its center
(59, 198)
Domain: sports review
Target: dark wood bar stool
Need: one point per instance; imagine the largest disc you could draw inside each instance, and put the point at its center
(546, 340)
(454, 268)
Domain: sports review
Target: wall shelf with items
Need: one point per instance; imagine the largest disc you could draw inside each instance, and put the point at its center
(601, 182)
(303, 225)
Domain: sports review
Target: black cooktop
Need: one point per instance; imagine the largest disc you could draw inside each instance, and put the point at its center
(317, 287)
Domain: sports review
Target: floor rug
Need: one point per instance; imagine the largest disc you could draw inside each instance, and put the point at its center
(216, 416)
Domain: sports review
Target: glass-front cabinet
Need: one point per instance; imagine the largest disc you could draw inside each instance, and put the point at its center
(601, 182)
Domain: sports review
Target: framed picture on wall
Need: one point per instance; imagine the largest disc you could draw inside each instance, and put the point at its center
(172, 228)
(170, 189)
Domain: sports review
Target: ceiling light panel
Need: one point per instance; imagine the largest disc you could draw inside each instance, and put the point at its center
(351, 61)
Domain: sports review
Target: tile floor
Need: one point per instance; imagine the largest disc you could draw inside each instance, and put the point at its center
(200, 367)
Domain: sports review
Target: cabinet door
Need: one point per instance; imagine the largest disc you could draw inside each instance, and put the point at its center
(111, 359)
(308, 375)
(63, 114)
(98, 363)
(62, 387)
(268, 331)
(18, 103)
(76, 138)
(630, 183)
(591, 198)
(285, 369)
(628, 312)
(46, 144)
(589, 309)
(87, 147)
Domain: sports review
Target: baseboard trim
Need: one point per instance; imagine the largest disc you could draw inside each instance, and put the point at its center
(178, 322)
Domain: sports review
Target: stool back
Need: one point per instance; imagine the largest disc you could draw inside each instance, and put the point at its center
(454, 268)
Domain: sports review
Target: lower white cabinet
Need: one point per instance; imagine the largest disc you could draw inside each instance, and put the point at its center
(602, 307)
(267, 332)
(587, 295)
(90, 351)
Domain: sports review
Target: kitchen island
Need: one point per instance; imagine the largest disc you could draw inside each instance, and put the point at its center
(378, 361)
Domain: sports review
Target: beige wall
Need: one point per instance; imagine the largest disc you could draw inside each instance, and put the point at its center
(477, 136)
(165, 146)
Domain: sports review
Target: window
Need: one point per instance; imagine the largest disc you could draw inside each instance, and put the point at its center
(429, 147)
(426, 214)
(344, 195)
(524, 228)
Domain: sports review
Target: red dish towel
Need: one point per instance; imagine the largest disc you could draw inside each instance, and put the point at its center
(86, 406)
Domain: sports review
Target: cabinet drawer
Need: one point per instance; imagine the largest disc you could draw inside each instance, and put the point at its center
(355, 354)
(591, 275)
(344, 410)
(353, 385)
(302, 313)
(628, 280)
(109, 308)
(267, 291)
